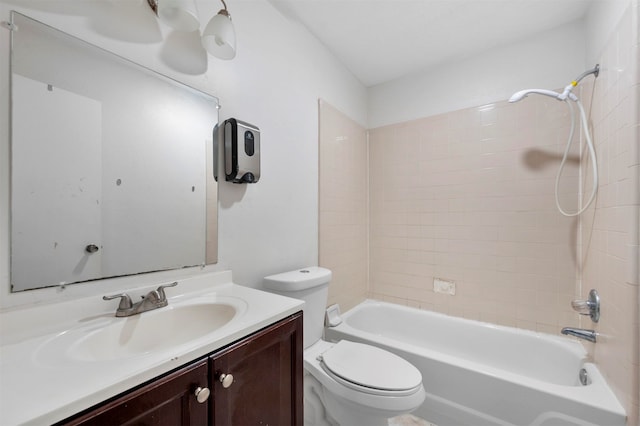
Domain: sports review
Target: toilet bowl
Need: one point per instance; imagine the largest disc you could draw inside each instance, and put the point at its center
(362, 384)
(354, 383)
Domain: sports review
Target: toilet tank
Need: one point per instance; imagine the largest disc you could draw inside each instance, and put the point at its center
(310, 285)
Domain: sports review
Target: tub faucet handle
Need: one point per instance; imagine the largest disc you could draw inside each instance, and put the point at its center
(581, 306)
(590, 307)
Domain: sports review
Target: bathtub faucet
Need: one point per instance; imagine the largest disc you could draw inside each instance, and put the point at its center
(580, 333)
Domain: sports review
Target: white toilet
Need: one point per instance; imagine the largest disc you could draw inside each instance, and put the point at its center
(346, 383)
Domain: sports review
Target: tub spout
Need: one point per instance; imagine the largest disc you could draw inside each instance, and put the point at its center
(580, 333)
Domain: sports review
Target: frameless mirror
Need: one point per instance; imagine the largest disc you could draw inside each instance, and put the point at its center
(111, 168)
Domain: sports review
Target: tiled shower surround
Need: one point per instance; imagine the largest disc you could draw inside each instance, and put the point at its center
(343, 202)
(610, 230)
(468, 197)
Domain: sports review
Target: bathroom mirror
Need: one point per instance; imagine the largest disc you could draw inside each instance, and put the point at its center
(111, 170)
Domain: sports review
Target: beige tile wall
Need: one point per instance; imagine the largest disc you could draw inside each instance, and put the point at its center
(467, 196)
(343, 215)
(610, 229)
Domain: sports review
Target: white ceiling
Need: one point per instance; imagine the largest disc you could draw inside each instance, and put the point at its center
(381, 40)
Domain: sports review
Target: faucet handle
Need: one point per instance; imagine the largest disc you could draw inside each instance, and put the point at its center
(160, 290)
(590, 307)
(581, 306)
(125, 300)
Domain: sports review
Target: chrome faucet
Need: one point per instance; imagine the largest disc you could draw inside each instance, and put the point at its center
(580, 333)
(153, 300)
(590, 307)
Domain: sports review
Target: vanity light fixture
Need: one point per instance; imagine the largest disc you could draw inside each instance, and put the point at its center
(181, 15)
(219, 36)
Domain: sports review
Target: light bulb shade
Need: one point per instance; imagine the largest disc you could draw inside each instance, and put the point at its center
(181, 15)
(219, 37)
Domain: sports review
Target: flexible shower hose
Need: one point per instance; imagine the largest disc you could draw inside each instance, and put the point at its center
(592, 157)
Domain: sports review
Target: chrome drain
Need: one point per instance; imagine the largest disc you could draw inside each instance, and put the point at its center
(584, 377)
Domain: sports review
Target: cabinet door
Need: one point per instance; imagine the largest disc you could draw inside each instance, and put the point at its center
(169, 401)
(267, 378)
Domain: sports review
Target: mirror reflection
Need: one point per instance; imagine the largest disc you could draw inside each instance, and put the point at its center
(111, 169)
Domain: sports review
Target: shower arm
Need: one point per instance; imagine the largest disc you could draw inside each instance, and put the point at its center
(595, 71)
(567, 90)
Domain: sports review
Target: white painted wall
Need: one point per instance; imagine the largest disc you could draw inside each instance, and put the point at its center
(273, 226)
(549, 60)
(274, 82)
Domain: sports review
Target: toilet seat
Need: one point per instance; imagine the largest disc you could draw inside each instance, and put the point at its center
(369, 369)
(347, 398)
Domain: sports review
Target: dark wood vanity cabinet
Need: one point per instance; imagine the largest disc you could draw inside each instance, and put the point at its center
(166, 401)
(266, 388)
(267, 378)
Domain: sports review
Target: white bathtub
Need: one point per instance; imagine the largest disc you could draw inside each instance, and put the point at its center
(478, 374)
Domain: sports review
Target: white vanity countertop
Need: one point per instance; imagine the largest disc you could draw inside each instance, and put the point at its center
(37, 388)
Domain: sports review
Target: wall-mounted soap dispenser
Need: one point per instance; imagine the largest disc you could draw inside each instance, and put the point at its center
(241, 151)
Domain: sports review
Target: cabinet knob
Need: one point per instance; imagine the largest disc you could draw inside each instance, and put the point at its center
(226, 380)
(202, 394)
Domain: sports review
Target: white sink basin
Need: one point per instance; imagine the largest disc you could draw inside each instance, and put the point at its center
(111, 338)
(139, 334)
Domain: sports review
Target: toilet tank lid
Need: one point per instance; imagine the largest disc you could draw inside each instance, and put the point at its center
(300, 279)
